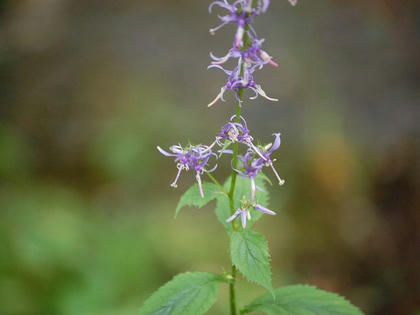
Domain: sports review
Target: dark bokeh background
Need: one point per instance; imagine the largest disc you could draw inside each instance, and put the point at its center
(89, 88)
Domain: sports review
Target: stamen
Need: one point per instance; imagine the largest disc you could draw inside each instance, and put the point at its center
(281, 181)
(180, 168)
(197, 176)
(213, 30)
(257, 151)
(252, 189)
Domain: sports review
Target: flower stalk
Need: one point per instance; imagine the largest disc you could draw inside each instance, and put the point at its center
(232, 293)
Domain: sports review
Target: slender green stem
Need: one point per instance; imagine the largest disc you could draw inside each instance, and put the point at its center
(231, 194)
(216, 182)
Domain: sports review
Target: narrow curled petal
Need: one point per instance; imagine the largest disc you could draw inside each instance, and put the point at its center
(267, 58)
(227, 151)
(266, 3)
(219, 67)
(264, 210)
(244, 216)
(222, 4)
(211, 170)
(293, 2)
(164, 152)
(218, 97)
(233, 217)
(219, 61)
(276, 143)
(262, 93)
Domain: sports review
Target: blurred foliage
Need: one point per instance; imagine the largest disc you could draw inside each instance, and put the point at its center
(89, 88)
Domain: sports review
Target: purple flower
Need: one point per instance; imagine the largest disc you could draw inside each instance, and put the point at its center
(249, 166)
(195, 157)
(237, 80)
(246, 214)
(254, 54)
(240, 12)
(235, 132)
(265, 156)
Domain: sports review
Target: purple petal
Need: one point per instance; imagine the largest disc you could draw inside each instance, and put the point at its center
(243, 218)
(264, 210)
(233, 217)
(220, 4)
(227, 151)
(164, 152)
(276, 143)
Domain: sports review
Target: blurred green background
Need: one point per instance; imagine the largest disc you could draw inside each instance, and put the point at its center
(89, 88)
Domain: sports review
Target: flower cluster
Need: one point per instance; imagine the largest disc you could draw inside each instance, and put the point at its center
(247, 48)
(194, 157)
(251, 163)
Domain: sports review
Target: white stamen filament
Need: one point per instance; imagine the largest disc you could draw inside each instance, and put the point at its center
(212, 31)
(239, 36)
(222, 60)
(180, 168)
(253, 188)
(199, 184)
(257, 151)
(281, 181)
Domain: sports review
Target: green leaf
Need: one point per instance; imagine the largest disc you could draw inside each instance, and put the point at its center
(302, 300)
(242, 188)
(190, 293)
(249, 252)
(192, 196)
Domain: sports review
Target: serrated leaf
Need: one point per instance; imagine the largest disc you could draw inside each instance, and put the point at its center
(302, 300)
(223, 211)
(190, 293)
(242, 188)
(192, 196)
(249, 253)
